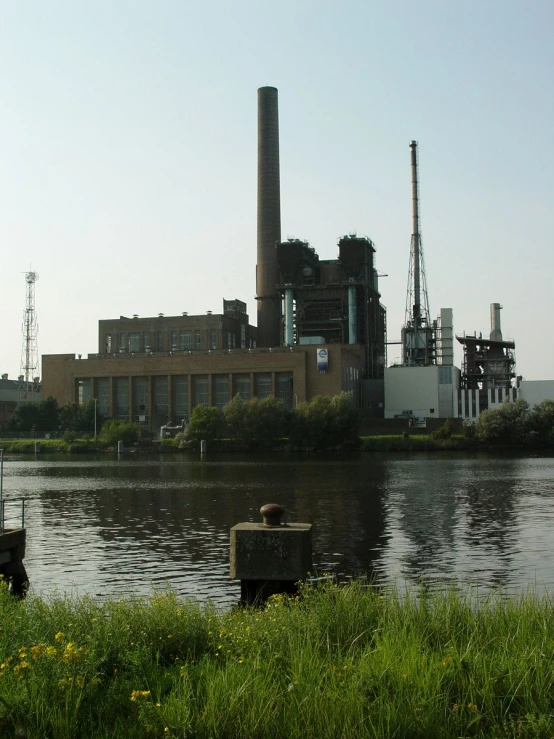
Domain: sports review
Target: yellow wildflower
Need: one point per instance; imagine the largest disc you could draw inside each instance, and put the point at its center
(138, 694)
(37, 650)
(51, 651)
(59, 636)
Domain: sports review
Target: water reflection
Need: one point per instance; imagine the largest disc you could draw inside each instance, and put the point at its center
(107, 527)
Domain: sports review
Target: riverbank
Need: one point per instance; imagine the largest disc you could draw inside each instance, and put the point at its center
(339, 662)
(382, 443)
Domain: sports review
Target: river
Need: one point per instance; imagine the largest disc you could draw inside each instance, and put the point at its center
(107, 528)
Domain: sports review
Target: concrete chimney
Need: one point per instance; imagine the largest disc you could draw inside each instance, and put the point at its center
(496, 330)
(269, 218)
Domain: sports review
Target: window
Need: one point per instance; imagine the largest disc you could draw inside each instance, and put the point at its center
(84, 391)
(146, 341)
(134, 341)
(221, 391)
(185, 340)
(197, 339)
(174, 341)
(121, 397)
(283, 387)
(213, 338)
(262, 386)
(160, 342)
(140, 399)
(122, 345)
(159, 391)
(242, 386)
(108, 343)
(200, 390)
(181, 399)
(103, 394)
(243, 336)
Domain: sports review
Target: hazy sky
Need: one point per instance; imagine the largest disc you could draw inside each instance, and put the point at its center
(128, 164)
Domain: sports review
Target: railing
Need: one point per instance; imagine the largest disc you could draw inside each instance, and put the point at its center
(21, 516)
(3, 502)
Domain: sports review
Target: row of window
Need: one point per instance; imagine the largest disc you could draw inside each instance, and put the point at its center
(128, 398)
(187, 339)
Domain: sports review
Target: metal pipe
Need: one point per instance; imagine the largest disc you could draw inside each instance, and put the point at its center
(269, 218)
(415, 234)
(496, 330)
(352, 316)
(289, 310)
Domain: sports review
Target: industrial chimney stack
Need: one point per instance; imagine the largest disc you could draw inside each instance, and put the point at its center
(269, 218)
(496, 329)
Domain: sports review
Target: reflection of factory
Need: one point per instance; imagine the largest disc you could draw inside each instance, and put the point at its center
(320, 329)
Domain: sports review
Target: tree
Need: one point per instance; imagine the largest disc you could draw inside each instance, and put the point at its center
(80, 418)
(206, 423)
(508, 424)
(256, 423)
(39, 417)
(326, 423)
(114, 431)
(541, 423)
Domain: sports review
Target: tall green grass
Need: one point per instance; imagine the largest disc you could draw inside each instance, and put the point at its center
(336, 662)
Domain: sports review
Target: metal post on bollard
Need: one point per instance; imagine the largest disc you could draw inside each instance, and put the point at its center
(270, 557)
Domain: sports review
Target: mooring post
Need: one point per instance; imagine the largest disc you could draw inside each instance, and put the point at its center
(120, 447)
(270, 557)
(203, 447)
(37, 447)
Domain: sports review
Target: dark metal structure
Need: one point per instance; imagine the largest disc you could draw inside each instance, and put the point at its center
(269, 217)
(488, 363)
(333, 301)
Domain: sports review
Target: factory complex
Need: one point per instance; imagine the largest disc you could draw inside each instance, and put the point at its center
(321, 330)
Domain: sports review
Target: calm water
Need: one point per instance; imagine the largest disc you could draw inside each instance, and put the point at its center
(108, 527)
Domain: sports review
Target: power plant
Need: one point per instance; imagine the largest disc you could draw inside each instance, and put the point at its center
(321, 329)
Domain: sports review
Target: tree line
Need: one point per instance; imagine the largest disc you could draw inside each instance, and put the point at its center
(319, 424)
(514, 424)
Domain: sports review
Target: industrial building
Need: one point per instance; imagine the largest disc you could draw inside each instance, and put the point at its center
(320, 329)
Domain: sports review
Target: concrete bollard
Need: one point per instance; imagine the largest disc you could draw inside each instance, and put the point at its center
(37, 447)
(203, 447)
(270, 557)
(120, 447)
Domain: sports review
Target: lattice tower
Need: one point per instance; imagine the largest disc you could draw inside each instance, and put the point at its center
(417, 302)
(29, 351)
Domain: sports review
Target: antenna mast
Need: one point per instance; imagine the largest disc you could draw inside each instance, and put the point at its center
(29, 351)
(417, 335)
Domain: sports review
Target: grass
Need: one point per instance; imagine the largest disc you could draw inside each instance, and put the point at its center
(337, 662)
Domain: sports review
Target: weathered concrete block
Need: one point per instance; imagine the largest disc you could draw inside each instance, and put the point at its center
(261, 552)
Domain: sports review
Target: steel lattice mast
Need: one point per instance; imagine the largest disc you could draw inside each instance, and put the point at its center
(29, 351)
(417, 302)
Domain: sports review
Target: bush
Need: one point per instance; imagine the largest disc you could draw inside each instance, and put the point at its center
(256, 423)
(509, 424)
(114, 431)
(326, 423)
(206, 423)
(444, 431)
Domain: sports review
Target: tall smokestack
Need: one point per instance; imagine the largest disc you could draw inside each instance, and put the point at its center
(415, 234)
(496, 329)
(269, 218)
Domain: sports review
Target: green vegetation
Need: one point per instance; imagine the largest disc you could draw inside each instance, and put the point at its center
(114, 431)
(336, 662)
(516, 424)
(320, 424)
(46, 417)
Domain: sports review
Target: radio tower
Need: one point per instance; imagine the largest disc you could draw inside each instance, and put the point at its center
(417, 334)
(29, 351)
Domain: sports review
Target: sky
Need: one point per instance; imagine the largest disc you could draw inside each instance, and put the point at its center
(128, 140)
